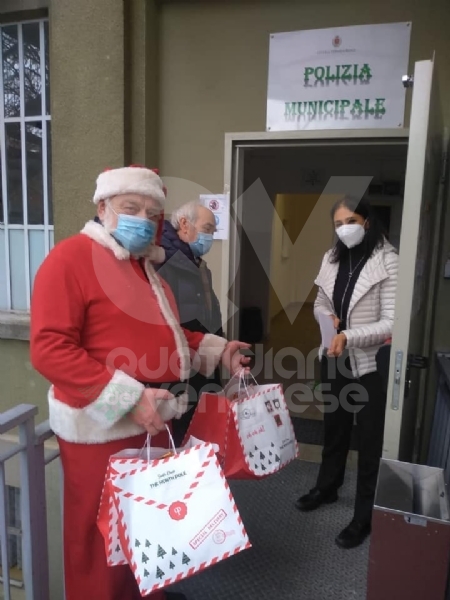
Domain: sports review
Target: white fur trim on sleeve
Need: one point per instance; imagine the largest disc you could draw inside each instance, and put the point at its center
(116, 400)
(210, 352)
(74, 425)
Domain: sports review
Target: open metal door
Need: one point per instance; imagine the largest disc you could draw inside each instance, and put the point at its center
(409, 351)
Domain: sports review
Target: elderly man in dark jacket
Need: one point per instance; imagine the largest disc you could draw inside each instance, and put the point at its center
(187, 238)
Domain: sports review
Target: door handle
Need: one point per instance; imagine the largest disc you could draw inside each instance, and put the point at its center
(397, 379)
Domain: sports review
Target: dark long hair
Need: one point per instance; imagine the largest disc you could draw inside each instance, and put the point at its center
(375, 234)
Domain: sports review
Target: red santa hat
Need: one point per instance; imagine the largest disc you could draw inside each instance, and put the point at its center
(135, 179)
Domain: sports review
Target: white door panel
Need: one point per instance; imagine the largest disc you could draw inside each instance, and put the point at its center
(421, 189)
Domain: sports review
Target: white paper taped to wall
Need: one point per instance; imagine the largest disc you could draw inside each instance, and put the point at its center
(219, 205)
(327, 329)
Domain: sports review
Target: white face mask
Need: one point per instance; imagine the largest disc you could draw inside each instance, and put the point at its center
(351, 235)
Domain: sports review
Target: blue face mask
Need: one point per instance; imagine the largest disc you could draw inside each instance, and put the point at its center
(134, 233)
(202, 244)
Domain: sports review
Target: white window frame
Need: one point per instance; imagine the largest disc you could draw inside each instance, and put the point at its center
(22, 119)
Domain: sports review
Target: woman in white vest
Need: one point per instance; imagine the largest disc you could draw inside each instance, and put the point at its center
(357, 285)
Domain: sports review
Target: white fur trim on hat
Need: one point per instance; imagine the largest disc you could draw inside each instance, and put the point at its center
(129, 180)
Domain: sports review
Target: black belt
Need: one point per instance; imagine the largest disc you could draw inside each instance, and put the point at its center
(177, 388)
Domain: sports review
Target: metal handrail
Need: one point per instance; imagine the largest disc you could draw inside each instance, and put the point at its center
(33, 459)
(16, 416)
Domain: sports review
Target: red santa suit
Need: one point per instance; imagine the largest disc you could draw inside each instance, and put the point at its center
(104, 324)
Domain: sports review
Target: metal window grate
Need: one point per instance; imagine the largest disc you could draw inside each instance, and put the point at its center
(14, 535)
(26, 217)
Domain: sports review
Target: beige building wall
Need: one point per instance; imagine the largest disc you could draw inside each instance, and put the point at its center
(214, 64)
(87, 103)
(213, 76)
(20, 383)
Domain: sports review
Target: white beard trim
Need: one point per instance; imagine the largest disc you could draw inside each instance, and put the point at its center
(180, 338)
(100, 234)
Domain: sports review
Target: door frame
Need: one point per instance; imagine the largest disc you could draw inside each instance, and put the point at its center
(424, 127)
(235, 146)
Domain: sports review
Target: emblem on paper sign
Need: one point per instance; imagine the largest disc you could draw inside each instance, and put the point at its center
(269, 406)
(337, 41)
(177, 511)
(278, 420)
(214, 205)
(219, 537)
(247, 413)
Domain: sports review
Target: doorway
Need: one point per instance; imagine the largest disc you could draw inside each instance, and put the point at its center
(423, 183)
(277, 278)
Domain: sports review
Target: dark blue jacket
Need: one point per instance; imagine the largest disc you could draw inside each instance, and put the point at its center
(183, 272)
(191, 283)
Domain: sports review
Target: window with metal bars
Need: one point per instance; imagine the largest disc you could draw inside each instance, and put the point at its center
(14, 537)
(26, 218)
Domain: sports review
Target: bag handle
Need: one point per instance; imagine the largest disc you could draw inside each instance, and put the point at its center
(148, 441)
(242, 383)
(251, 375)
(242, 380)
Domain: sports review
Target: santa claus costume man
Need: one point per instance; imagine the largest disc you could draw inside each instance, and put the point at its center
(105, 332)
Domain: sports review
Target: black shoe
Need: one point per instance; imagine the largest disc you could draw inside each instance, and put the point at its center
(314, 499)
(353, 535)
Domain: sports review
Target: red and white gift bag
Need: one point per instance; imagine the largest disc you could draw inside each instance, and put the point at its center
(251, 425)
(169, 517)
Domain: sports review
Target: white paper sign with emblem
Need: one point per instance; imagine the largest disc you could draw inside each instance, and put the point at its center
(338, 78)
(175, 516)
(219, 205)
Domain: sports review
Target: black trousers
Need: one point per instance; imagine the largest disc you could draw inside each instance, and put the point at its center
(180, 426)
(344, 396)
(197, 385)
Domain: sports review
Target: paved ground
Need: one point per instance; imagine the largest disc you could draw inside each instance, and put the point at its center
(293, 555)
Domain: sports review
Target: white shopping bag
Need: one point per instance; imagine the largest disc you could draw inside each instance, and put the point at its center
(176, 516)
(251, 425)
(264, 429)
(107, 517)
